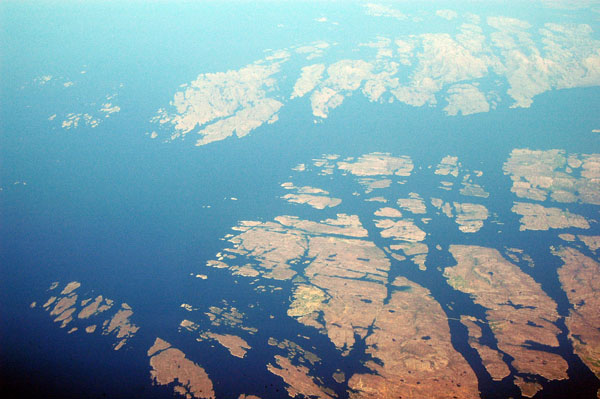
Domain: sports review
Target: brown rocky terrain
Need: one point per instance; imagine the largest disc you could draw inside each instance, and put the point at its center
(169, 365)
(579, 279)
(518, 310)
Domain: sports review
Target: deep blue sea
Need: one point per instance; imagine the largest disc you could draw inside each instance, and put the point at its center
(127, 216)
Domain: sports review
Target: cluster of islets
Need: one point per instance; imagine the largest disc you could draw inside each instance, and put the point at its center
(349, 288)
(347, 272)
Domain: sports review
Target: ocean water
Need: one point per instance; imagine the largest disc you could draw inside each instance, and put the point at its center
(127, 216)
(123, 215)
